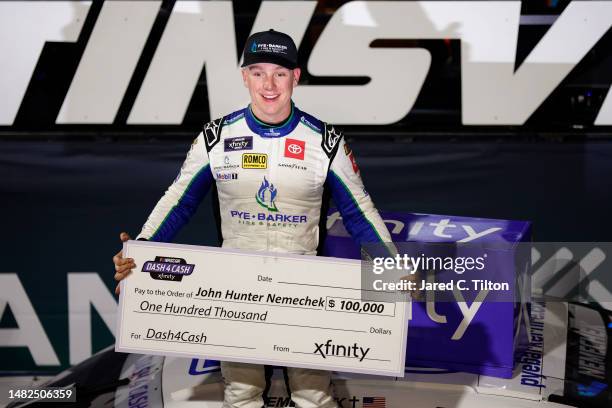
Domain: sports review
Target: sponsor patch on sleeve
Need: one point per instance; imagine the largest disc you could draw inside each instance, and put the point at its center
(351, 156)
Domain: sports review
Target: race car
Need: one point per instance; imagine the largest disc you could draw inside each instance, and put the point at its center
(575, 369)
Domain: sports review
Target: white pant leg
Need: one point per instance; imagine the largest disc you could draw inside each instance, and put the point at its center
(244, 385)
(311, 388)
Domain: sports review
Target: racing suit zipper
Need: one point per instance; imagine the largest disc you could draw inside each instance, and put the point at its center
(272, 162)
(269, 174)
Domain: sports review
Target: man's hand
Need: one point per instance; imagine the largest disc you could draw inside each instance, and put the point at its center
(123, 266)
(416, 294)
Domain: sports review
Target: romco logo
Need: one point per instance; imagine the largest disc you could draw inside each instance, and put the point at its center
(254, 161)
(495, 90)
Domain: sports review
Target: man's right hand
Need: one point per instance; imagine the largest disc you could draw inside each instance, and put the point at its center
(123, 266)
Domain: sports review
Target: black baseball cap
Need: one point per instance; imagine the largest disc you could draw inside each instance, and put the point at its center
(270, 46)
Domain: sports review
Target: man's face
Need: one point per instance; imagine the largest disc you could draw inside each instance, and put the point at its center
(270, 87)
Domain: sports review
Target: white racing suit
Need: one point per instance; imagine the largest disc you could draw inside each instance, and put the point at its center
(270, 183)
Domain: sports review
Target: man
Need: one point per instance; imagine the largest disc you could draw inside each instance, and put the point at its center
(269, 165)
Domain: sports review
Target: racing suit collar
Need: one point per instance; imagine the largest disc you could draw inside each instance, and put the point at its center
(267, 130)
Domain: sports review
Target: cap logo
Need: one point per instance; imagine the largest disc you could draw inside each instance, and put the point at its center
(269, 48)
(272, 47)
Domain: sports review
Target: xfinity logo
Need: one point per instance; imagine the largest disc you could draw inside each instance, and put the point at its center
(443, 228)
(453, 231)
(493, 91)
(340, 350)
(238, 143)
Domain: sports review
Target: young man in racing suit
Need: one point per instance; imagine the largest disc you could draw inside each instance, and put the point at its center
(269, 165)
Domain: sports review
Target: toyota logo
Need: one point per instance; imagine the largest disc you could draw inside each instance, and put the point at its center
(294, 149)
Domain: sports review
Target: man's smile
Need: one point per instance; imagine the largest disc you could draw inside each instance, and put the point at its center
(270, 97)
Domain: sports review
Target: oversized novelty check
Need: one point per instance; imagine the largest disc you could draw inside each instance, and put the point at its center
(255, 307)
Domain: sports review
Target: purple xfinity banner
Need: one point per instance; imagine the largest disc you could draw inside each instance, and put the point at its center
(473, 329)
